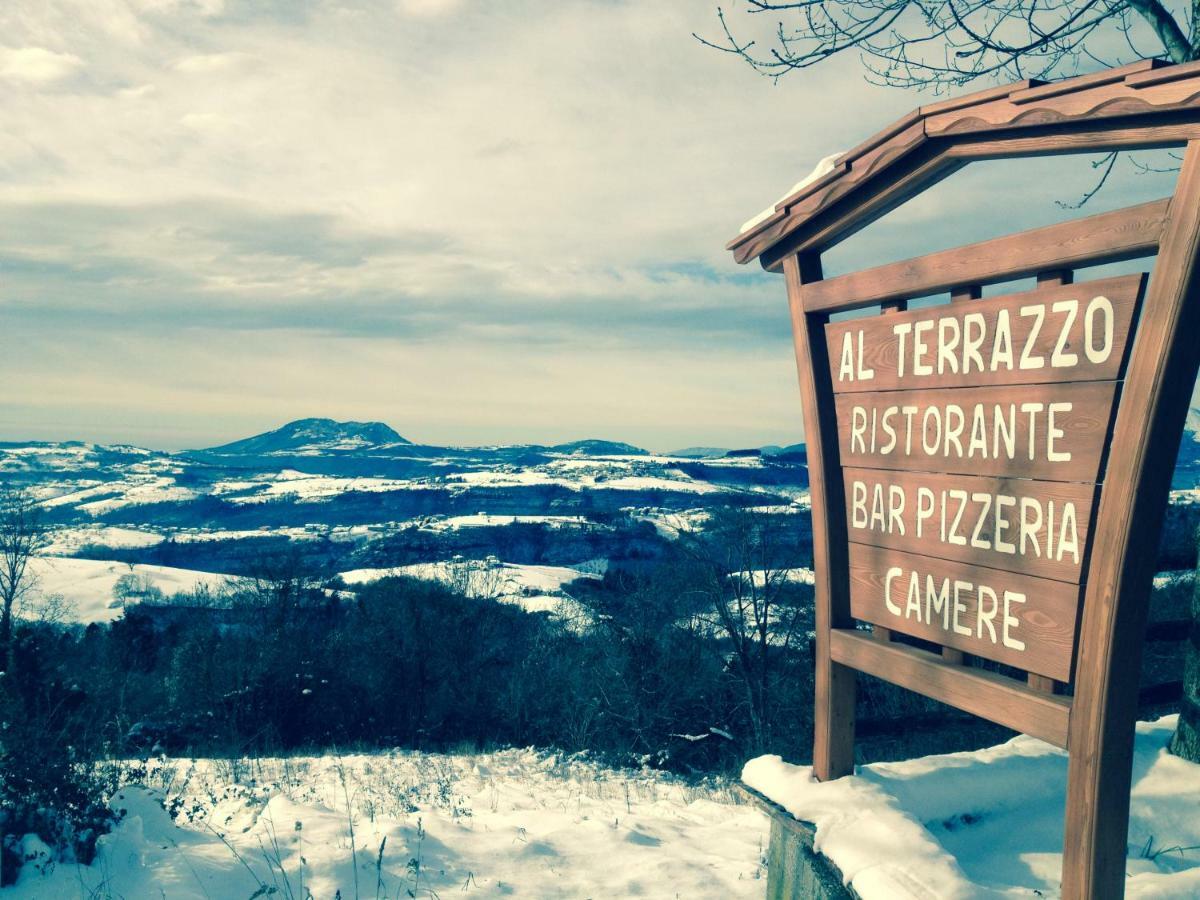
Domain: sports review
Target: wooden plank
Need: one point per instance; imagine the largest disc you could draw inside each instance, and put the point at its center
(1055, 278)
(834, 684)
(1157, 391)
(1041, 683)
(1115, 100)
(1053, 432)
(1006, 617)
(1095, 79)
(1166, 130)
(981, 693)
(856, 154)
(813, 187)
(1108, 237)
(1071, 332)
(953, 103)
(1164, 74)
(1014, 524)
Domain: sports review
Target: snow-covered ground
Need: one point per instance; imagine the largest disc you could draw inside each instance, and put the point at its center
(87, 584)
(586, 478)
(763, 577)
(66, 541)
(516, 823)
(988, 823)
(135, 489)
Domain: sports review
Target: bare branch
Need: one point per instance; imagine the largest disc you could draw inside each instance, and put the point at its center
(914, 43)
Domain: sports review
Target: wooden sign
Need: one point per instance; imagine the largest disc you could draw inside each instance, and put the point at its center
(1076, 332)
(988, 476)
(1036, 527)
(1024, 622)
(1054, 432)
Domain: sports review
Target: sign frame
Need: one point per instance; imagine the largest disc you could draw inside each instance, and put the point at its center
(1145, 105)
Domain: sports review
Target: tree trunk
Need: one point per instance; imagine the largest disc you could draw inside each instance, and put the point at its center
(1166, 29)
(7, 654)
(1186, 740)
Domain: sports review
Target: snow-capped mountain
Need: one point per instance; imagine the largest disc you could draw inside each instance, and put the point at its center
(315, 435)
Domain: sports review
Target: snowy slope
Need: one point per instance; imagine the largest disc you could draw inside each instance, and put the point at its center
(988, 823)
(88, 584)
(514, 823)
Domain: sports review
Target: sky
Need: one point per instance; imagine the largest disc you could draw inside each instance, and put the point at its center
(477, 222)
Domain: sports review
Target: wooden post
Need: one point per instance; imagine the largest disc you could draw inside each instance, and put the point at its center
(1158, 387)
(833, 707)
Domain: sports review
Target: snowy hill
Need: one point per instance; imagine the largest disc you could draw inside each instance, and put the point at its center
(596, 447)
(355, 497)
(315, 435)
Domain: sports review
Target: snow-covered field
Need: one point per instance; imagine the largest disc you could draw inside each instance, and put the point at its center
(516, 823)
(87, 584)
(988, 823)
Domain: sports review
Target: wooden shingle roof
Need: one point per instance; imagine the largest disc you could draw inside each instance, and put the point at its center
(1146, 104)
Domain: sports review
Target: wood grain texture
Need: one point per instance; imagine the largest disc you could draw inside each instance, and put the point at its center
(1033, 330)
(1171, 130)
(1164, 73)
(956, 517)
(1158, 385)
(1108, 237)
(1062, 101)
(994, 697)
(927, 436)
(1094, 79)
(834, 684)
(940, 601)
(1041, 683)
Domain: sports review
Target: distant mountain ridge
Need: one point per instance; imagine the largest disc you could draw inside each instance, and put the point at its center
(315, 434)
(597, 447)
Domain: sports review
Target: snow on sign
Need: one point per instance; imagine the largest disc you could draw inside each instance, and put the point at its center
(989, 475)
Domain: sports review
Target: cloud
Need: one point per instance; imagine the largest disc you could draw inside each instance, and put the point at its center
(428, 8)
(37, 64)
(470, 218)
(213, 63)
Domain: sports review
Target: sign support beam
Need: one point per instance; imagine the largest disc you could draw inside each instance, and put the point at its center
(833, 709)
(1158, 388)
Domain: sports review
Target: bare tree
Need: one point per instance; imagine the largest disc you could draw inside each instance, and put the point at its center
(22, 534)
(750, 603)
(915, 43)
